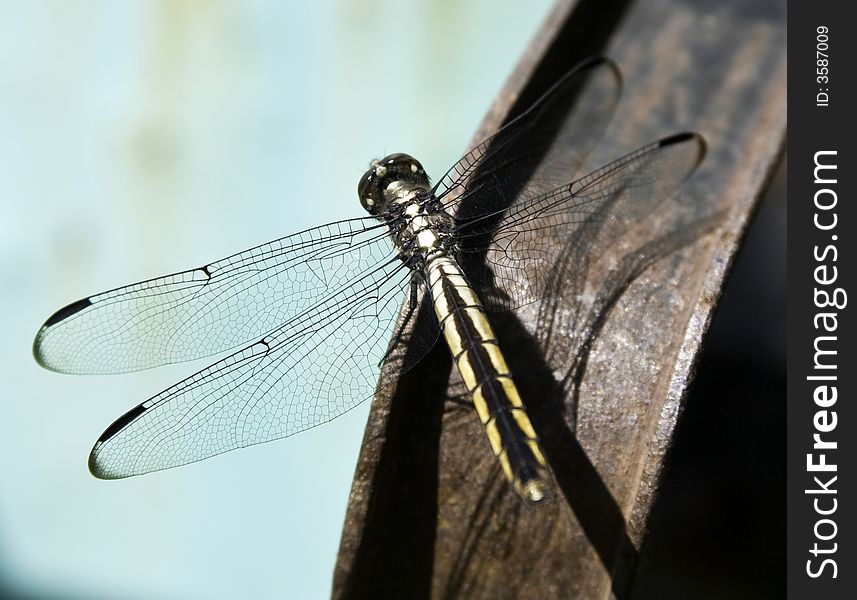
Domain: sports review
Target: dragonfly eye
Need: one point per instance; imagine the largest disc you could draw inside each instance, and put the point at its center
(369, 192)
(375, 189)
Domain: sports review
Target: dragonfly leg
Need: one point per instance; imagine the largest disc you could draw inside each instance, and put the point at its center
(413, 302)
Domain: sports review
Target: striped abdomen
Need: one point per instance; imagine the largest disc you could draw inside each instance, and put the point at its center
(477, 355)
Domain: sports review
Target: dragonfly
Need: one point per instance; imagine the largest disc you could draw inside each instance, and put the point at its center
(304, 323)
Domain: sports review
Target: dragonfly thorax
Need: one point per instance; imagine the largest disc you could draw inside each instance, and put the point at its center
(421, 230)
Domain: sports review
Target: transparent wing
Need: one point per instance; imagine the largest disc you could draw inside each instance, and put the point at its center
(213, 308)
(516, 256)
(317, 365)
(539, 150)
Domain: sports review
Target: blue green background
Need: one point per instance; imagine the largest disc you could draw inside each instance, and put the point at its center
(139, 138)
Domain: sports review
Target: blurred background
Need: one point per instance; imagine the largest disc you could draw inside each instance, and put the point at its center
(139, 138)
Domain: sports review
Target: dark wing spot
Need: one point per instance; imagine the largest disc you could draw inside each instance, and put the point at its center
(677, 138)
(67, 311)
(121, 422)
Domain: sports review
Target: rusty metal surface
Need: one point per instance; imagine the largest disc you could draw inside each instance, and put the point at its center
(430, 514)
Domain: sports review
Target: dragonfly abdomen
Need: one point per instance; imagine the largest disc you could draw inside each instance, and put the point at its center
(477, 356)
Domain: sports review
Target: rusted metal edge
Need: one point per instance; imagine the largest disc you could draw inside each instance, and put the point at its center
(420, 550)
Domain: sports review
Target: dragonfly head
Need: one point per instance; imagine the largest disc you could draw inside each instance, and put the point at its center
(386, 180)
